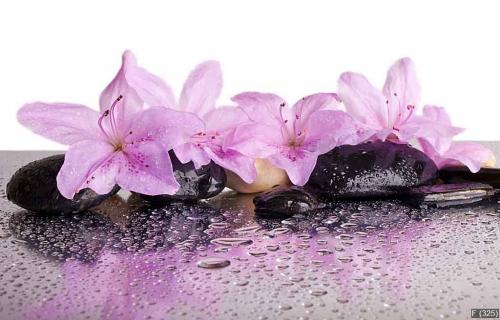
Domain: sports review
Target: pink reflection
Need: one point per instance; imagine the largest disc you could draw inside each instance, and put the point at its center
(123, 286)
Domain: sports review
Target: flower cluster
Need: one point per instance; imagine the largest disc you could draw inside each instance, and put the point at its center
(127, 142)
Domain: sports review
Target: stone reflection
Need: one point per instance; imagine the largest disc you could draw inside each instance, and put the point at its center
(64, 237)
(116, 225)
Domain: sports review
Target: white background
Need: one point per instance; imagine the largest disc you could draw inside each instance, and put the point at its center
(68, 51)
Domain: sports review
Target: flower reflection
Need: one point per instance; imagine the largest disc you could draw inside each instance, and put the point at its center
(146, 265)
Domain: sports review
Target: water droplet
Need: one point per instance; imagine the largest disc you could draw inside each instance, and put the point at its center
(213, 263)
(318, 292)
(231, 241)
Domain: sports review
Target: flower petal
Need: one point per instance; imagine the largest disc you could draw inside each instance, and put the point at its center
(202, 88)
(225, 118)
(327, 129)
(472, 155)
(256, 140)
(435, 126)
(150, 88)
(298, 164)
(170, 127)
(80, 162)
(190, 152)
(103, 178)
(401, 90)
(308, 105)
(62, 122)
(363, 101)
(233, 160)
(119, 86)
(265, 108)
(148, 170)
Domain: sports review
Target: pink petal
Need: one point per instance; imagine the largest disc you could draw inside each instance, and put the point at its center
(401, 89)
(150, 88)
(119, 86)
(105, 175)
(190, 152)
(148, 170)
(327, 129)
(307, 106)
(62, 122)
(363, 101)
(225, 118)
(256, 140)
(170, 127)
(435, 126)
(81, 161)
(298, 164)
(404, 134)
(472, 155)
(265, 108)
(437, 114)
(202, 88)
(233, 160)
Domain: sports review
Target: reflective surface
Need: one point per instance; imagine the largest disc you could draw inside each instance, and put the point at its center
(216, 260)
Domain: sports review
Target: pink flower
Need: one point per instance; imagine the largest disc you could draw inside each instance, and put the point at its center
(124, 144)
(444, 152)
(216, 140)
(391, 113)
(292, 138)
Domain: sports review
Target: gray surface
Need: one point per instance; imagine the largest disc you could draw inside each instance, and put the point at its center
(384, 260)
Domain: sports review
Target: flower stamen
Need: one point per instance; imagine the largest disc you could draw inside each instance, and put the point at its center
(113, 135)
(284, 128)
(112, 112)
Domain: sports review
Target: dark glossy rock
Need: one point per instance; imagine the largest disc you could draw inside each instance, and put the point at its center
(489, 176)
(446, 195)
(285, 201)
(203, 183)
(371, 170)
(34, 187)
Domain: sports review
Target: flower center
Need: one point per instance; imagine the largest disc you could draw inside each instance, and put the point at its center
(111, 131)
(399, 121)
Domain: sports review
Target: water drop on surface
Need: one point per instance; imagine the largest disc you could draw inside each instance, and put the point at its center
(213, 263)
(231, 241)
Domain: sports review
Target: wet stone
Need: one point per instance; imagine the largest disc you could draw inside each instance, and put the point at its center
(285, 201)
(34, 187)
(195, 184)
(446, 195)
(490, 176)
(374, 169)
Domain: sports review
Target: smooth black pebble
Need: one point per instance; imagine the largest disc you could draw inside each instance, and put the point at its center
(283, 201)
(374, 169)
(195, 184)
(490, 176)
(34, 188)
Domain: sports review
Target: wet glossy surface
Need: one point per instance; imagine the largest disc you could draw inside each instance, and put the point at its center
(359, 260)
(371, 169)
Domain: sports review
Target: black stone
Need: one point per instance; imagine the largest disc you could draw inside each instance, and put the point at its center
(34, 187)
(203, 183)
(285, 201)
(446, 195)
(489, 176)
(375, 169)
